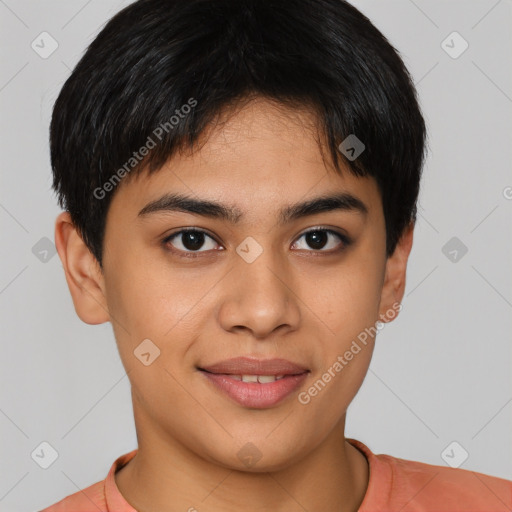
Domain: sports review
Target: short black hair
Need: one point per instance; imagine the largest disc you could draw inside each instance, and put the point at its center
(161, 71)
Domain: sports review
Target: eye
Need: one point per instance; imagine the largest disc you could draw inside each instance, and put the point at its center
(189, 241)
(324, 240)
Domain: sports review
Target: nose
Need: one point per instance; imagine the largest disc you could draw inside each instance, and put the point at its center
(260, 297)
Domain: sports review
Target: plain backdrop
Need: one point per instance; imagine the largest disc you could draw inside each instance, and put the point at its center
(441, 373)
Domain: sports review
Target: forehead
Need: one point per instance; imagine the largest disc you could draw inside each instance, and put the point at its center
(253, 158)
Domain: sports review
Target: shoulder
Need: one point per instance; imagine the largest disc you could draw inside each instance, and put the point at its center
(101, 496)
(432, 487)
(412, 486)
(90, 498)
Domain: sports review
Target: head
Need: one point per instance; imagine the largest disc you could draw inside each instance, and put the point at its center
(227, 117)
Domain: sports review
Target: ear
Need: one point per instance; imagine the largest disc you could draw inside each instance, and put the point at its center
(394, 280)
(83, 273)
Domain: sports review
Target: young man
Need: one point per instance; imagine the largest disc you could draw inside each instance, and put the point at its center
(239, 179)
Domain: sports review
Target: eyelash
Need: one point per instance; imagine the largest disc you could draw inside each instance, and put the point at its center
(196, 254)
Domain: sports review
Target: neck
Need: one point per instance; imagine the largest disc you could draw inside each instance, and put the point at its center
(166, 476)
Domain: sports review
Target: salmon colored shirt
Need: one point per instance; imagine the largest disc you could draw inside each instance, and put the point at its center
(394, 485)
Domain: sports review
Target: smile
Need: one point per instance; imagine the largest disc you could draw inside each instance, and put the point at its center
(255, 391)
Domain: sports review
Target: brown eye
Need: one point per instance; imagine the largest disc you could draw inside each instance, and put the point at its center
(317, 239)
(191, 240)
(323, 240)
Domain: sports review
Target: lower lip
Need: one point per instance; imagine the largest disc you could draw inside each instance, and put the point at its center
(254, 394)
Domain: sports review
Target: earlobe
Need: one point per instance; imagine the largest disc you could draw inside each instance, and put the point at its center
(83, 274)
(394, 282)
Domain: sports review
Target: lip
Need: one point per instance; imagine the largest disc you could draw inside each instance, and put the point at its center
(254, 394)
(253, 366)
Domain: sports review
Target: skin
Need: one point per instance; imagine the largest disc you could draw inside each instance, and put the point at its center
(292, 302)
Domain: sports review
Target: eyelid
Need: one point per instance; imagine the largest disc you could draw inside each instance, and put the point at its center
(332, 230)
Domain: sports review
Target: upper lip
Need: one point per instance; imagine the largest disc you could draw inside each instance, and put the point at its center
(252, 366)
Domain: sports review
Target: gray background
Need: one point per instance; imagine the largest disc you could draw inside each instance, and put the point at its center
(440, 373)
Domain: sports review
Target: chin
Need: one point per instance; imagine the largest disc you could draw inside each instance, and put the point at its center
(258, 456)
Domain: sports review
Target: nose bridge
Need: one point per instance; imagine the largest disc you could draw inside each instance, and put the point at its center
(259, 297)
(264, 278)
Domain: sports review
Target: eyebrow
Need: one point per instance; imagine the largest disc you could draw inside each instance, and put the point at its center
(173, 202)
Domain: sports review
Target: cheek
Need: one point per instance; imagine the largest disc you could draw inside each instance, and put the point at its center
(152, 300)
(348, 306)
(345, 349)
(350, 299)
(151, 296)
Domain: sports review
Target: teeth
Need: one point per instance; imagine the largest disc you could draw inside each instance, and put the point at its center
(249, 378)
(262, 379)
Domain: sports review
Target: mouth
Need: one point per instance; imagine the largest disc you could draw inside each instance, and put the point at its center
(255, 383)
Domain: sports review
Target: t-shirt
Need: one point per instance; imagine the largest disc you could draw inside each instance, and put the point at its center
(394, 485)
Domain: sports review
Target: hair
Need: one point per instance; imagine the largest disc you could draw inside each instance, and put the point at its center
(156, 57)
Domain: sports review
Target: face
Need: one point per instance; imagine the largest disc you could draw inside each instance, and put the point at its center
(263, 281)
